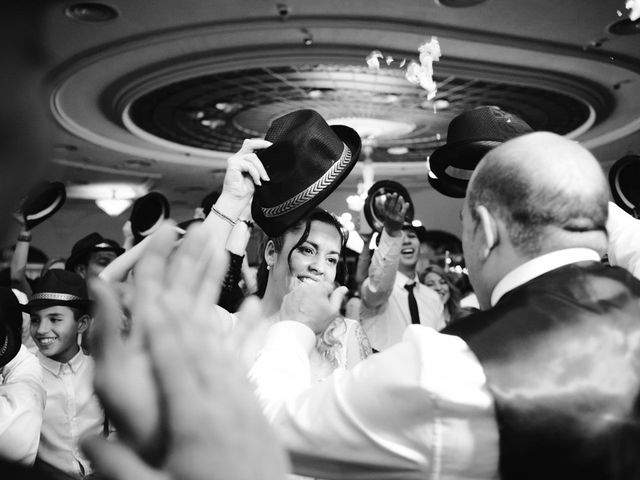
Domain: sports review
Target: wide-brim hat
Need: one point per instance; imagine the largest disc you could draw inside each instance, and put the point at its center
(470, 136)
(59, 287)
(10, 326)
(306, 162)
(377, 190)
(624, 180)
(42, 202)
(147, 214)
(93, 242)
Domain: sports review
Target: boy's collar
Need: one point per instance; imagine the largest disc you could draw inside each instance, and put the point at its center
(55, 367)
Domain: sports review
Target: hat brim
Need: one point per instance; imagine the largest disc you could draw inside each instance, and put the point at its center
(372, 219)
(141, 227)
(462, 156)
(42, 303)
(626, 196)
(446, 189)
(275, 227)
(42, 203)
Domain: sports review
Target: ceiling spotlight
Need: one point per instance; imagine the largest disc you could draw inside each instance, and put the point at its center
(211, 123)
(397, 150)
(391, 98)
(315, 94)
(91, 12)
(441, 104)
(228, 107)
(307, 40)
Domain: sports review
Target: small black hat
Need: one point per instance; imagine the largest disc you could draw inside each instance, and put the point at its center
(470, 136)
(147, 214)
(624, 180)
(42, 202)
(377, 190)
(59, 287)
(307, 161)
(10, 326)
(91, 243)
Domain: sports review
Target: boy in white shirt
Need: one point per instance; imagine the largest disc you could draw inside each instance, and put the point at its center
(59, 314)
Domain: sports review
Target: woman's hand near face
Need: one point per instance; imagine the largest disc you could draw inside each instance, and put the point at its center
(314, 304)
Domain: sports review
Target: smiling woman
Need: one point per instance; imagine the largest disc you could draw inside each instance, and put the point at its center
(310, 251)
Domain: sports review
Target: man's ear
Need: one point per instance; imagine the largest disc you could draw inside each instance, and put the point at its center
(83, 323)
(80, 270)
(489, 229)
(270, 254)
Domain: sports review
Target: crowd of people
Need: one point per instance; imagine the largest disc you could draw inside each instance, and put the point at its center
(167, 359)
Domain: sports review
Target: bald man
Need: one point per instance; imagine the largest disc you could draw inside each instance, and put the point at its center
(542, 384)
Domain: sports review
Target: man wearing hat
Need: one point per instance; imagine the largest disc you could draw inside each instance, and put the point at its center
(543, 383)
(22, 395)
(392, 296)
(59, 309)
(91, 254)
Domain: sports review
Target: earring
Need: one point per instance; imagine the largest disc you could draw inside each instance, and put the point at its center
(268, 267)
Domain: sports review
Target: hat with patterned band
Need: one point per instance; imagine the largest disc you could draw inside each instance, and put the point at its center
(59, 287)
(470, 136)
(307, 161)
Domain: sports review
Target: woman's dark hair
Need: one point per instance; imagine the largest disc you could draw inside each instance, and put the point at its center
(453, 304)
(319, 215)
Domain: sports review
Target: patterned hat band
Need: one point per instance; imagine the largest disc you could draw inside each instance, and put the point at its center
(60, 297)
(312, 190)
(3, 350)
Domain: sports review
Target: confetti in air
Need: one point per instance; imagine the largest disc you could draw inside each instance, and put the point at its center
(373, 61)
(416, 73)
(634, 6)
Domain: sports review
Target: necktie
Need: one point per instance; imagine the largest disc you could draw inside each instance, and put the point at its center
(413, 305)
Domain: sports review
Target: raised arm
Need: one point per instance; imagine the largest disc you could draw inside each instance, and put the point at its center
(377, 287)
(244, 172)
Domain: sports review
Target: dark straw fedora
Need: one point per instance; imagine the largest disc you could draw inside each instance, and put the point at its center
(469, 137)
(59, 287)
(42, 202)
(307, 161)
(378, 190)
(624, 180)
(147, 214)
(10, 326)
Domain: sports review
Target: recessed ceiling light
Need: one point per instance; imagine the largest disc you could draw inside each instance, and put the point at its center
(212, 123)
(91, 12)
(459, 3)
(625, 27)
(441, 104)
(397, 150)
(315, 94)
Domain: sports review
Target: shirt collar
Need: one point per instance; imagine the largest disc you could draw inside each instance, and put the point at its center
(56, 367)
(540, 265)
(402, 279)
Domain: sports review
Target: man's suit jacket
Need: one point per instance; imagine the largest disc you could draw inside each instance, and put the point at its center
(562, 358)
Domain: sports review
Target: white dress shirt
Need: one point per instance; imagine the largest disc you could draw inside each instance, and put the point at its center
(22, 399)
(72, 411)
(624, 239)
(384, 311)
(419, 410)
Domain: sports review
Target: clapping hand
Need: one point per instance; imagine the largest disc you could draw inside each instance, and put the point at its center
(203, 421)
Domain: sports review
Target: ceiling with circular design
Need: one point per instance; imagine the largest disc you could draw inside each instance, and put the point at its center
(159, 93)
(217, 112)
